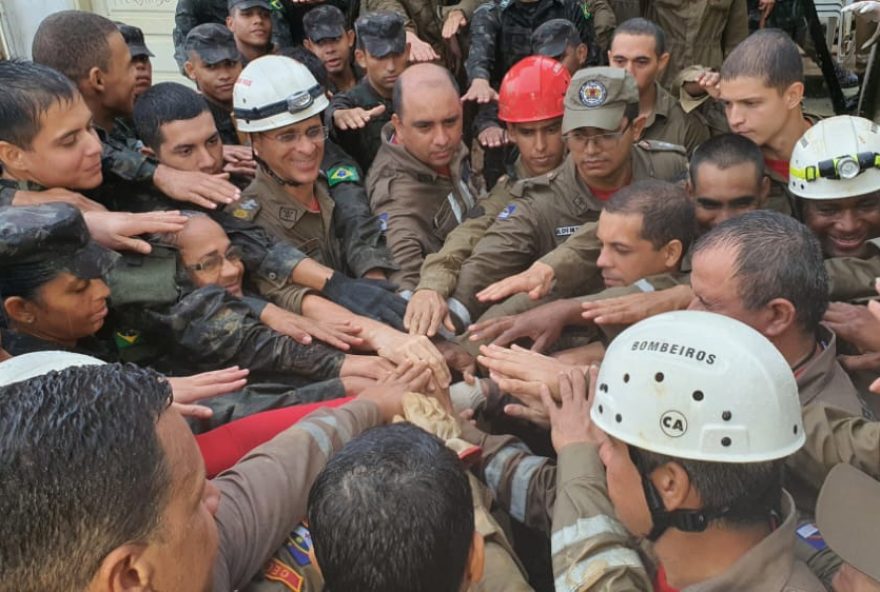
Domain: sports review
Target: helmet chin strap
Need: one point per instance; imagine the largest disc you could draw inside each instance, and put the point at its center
(684, 520)
(275, 176)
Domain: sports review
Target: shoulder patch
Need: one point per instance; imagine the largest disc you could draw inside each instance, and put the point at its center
(658, 146)
(278, 571)
(383, 222)
(126, 338)
(342, 174)
(507, 212)
(299, 543)
(247, 209)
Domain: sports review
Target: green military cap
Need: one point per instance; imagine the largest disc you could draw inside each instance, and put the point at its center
(597, 97)
(381, 33)
(212, 42)
(50, 238)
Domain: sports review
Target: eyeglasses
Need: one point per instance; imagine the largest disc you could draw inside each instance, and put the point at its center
(315, 134)
(213, 263)
(602, 140)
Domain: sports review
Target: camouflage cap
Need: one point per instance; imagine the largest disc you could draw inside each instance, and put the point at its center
(553, 37)
(134, 38)
(597, 97)
(51, 236)
(381, 33)
(324, 22)
(245, 4)
(212, 42)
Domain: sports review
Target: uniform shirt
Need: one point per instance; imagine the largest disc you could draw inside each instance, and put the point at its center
(418, 205)
(851, 279)
(362, 143)
(699, 31)
(669, 123)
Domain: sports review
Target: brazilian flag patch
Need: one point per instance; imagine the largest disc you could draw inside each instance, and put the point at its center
(126, 339)
(342, 174)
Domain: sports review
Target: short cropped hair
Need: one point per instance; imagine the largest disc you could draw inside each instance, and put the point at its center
(768, 54)
(726, 151)
(27, 92)
(667, 213)
(163, 103)
(73, 42)
(82, 471)
(776, 257)
(392, 512)
(397, 92)
(641, 26)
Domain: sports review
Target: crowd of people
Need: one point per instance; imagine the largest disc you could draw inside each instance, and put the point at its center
(401, 296)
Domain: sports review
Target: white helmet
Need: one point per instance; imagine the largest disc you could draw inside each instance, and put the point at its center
(702, 386)
(34, 364)
(274, 91)
(837, 158)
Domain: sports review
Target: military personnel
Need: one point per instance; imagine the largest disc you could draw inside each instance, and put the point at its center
(328, 36)
(145, 453)
(213, 62)
(358, 116)
(640, 46)
(140, 57)
(251, 24)
(699, 32)
(419, 182)
(531, 105)
(559, 39)
(291, 15)
(601, 124)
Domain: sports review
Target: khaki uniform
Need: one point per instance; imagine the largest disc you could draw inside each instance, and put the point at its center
(669, 123)
(851, 279)
(823, 379)
(418, 206)
(779, 199)
(440, 270)
(699, 31)
(266, 492)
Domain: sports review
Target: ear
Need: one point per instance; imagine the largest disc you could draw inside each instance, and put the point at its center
(229, 23)
(672, 252)
(124, 570)
(476, 559)
(663, 62)
(583, 52)
(397, 123)
(94, 80)
(19, 310)
(793, 95)
(147, 151)
(307, 43)
(11, 156)
(689, 188)
(673, 484)
(349, 35)
(782, 316)
(638, 126)
(190, 70)
(765, 191)
(360, 58)
(255, 141)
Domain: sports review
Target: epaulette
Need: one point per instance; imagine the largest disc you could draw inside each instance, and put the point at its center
(658, 146)
(519, 188)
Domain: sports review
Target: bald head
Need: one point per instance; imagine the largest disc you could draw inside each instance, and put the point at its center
(420, 80)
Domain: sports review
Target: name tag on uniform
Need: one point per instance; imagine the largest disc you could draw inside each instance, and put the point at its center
(563, 231)
(288, 214)
(507, 212)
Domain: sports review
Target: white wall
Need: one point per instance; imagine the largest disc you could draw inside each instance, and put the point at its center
(21, 19)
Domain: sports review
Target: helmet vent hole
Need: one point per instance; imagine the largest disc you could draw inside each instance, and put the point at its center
(726, 415)
(725, 441)
(658, 377)
(603, 387)
(618, 418)
(602, 410)
(698, 395)
(795, 429)
(625, 378)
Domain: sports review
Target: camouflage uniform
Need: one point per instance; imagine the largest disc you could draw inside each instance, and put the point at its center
(291, 13)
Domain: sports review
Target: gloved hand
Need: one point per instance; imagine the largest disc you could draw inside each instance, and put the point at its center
(373, 298)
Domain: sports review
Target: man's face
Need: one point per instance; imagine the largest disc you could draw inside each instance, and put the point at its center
(68, 308)
(216, 81)
(625, 256)
(755, 110)
(717, 290)
(192, 145)
(295, 151)
(540, 144)
(66, 152)
(720, 194)
(598, 153)
(844, 225)
(431, 126)
(182, 555)
(638, 55)
(252, 26)
(209, 257)
(574, 58)
(119, 79)
(143, 74)
(334, 53)
(382, 72)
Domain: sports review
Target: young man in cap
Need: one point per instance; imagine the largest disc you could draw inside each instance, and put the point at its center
(251, 23)
(140, 57)
(559, 39)
(213, 62)
(639, 46)
(329, 38)
(358, 116)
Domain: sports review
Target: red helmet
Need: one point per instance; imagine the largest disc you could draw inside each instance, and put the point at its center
(533, 90)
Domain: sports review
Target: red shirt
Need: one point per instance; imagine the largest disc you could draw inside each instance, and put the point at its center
(780, 166)
(660, 584)
(602, 194)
